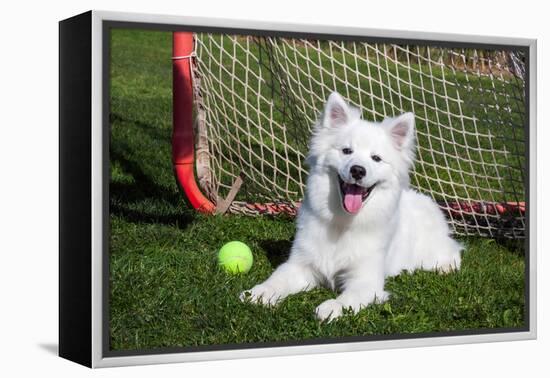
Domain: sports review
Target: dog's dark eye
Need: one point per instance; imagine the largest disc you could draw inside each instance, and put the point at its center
(376, 158)
(347, 151)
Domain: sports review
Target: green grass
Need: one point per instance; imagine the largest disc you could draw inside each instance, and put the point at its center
(166, 289)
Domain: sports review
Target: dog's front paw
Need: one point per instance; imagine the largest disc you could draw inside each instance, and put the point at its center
(261, 294)
(329, 310)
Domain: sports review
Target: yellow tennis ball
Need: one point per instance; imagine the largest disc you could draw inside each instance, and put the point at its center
(235, 257)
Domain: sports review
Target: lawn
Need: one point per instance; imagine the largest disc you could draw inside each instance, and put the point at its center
(166, 289)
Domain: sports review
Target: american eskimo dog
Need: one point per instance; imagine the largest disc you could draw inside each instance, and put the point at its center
(359, 221)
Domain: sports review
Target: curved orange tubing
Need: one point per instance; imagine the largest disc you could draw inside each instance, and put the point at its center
(183, 140)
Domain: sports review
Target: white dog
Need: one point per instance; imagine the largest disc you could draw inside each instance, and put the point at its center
(359, 221)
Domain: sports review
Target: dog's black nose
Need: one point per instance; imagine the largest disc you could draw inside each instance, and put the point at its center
(357, 172)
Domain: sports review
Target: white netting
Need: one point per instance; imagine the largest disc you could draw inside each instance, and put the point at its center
(258, 97)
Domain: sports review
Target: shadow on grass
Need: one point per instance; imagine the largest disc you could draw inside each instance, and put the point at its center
(155, 133)
(515, 246)
(143, 200)
(277, 251)
(180, 221)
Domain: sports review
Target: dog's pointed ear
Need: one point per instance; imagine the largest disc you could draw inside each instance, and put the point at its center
(337, 112)
(401, 130)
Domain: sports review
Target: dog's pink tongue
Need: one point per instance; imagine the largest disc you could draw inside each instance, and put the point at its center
(353, 198)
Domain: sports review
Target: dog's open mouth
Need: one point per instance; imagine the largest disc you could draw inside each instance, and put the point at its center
(353, 196)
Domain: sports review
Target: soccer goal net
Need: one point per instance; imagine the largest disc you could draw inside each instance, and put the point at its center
(256, 100)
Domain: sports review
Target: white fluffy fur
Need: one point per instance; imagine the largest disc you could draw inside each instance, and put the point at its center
(396, 229)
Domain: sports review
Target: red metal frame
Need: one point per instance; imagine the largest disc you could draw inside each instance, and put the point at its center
(183, 140)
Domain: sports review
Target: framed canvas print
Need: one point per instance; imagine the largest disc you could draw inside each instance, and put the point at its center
(235, 189)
